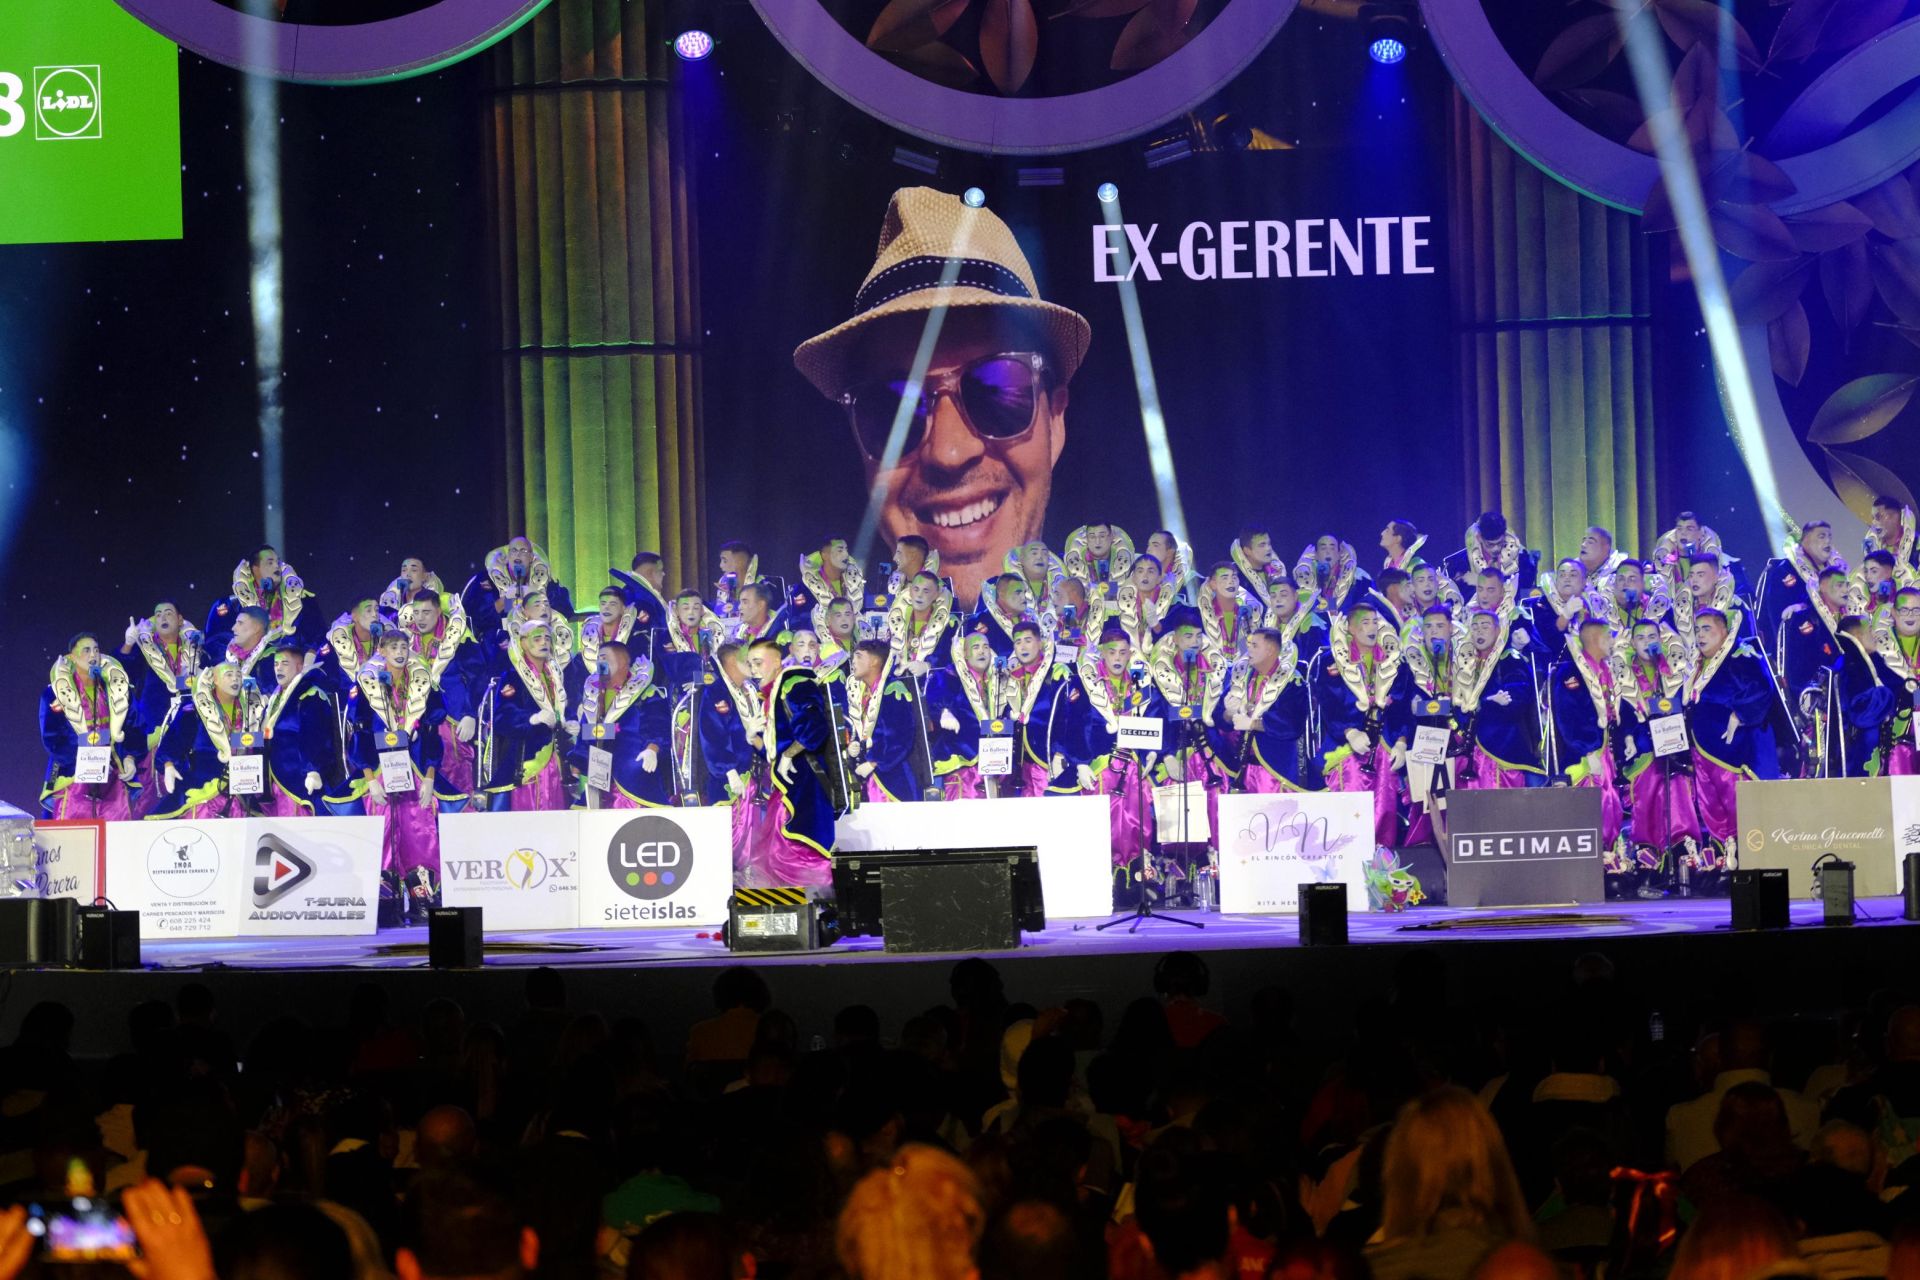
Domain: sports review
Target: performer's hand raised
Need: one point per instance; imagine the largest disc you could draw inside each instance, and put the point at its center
(133, 633)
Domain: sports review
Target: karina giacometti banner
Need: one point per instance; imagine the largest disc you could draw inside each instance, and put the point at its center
(89, 125)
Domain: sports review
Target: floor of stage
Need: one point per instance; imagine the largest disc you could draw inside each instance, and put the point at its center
(630, 948)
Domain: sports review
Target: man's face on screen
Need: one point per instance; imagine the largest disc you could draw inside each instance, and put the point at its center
(973, 499)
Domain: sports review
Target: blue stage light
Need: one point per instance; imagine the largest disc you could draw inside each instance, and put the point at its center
(975, 197)
(1387, 50)
(693, 45)
(1108, 193)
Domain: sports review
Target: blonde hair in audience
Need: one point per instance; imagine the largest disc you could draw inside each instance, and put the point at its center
(918, 1218)
(1446, 1166)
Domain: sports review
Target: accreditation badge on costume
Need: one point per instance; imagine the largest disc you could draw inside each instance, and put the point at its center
(396, 769)
(1669, 733)
(246, 767)
(1066, 653)
(599, 768)
(1139, 733)
(93, 761)
(996, 757)
(1433, 708)
(1429, 745)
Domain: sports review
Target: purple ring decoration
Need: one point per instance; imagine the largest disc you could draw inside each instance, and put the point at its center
(1841, 93)
(368, 52)
(1535, 126)
(1024, 126)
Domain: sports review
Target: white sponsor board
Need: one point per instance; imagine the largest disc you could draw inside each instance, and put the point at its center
(1270, 845)
(311, 876)
(1070, 832)
(521, 869)
(655, 868)
(1906, 825)
(72, 855)
(183, 877)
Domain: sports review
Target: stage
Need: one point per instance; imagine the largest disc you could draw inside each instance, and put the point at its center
(1485, 959)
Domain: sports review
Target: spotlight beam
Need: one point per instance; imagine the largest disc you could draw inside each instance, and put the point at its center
(262, 102)
(1153, 422)
(1652, 77)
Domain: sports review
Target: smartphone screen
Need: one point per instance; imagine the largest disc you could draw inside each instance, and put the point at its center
(81, 1230)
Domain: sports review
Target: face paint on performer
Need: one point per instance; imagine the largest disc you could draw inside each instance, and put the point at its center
(1146, 574)
(1833, 590)
(1286, 600)
(1225, 583)
(1027, 648)
(734, 561)
(613, 607)
(1264, 651)
(763, 663)
(1259, 550)
(1491, 590)
(1646, 642)
(166, 620)
(835, 554)
(1906, 614)
(922, 592)
(1187, 641)
(1596, 544)
(616, 662)
(226, 679)
(1034, 560)
(266, 566)
(520, 557)
(1364, 626)
(1163, 548)
(688, 610)
(534, 606)
(1701, 578)
(1424, 586)
(1014, 597)
(979, 653)
(426, 614)
(1876, 575)
(803, 647)
(1437, 632)
(247, 631)
(365, 614)
(1326, 549)
(413, 572)
(1484, 630)
(1099, 541)
(840, 621)
(1071, 593)
(908, 559)
(1569, 579)
(1629, 585)
(1596, 641)
(866, 665)
(1687, 531)
(287, 665)
(1711, 633)
(1816, 542)
(84, 655)
(537, 644)
(1116, 654)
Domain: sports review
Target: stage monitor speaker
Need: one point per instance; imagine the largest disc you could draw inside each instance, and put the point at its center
(778, 919)
(109, 939)
(1833, 882)
(454, 938)
(1760, 899)
(1912, 891)
(30, 931)
(60, 921)
(921, 900)
(1323, 915)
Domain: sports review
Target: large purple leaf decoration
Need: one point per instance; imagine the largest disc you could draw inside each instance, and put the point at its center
(1657, 212)
(1858, 481)
(1832, 226)
(1742, 177)
(1862, 408)
(1896, 275)
(1751, 231)
(1855, 22)
(1009, 42)
(905, 25)
(1893, 207)
(1698, 24)
(1765, 291)
(1103, 8)
(1145, 41)
(1615, 115)
(1789, 342)
(1848, 286)
(1579, 53)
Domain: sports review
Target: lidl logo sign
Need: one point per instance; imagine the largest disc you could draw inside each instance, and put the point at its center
(66, 102)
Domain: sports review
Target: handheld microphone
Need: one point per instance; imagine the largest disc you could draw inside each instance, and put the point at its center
(266, 586)
(93, 669)
(249, 685)
(375, 628)
(1631, 595)
(602, 669)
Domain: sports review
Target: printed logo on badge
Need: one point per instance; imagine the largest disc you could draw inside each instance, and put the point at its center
(246, 739)
(1186, 713)
(393, 739)
(998, 726)
(599, 731)
(708, 678)
(1663, 705)
(93, 737)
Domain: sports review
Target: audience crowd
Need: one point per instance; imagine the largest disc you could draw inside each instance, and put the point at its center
(997, 1136)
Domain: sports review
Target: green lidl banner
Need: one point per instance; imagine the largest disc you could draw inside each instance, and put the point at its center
(89, 125)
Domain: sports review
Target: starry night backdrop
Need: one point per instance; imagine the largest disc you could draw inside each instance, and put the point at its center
(128, 429)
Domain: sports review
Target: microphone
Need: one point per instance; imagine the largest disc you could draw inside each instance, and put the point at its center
(602, 669)
(93, 669)
(266, 586)
(376, 627)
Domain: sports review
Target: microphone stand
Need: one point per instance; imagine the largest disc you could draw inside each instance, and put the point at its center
(1143, 910)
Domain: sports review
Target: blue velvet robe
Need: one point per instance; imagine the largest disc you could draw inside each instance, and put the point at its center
(305, 738)
(896, 752)
(722, 738)
(1276, 745)
(1339, 710)
(365, 741)
(801, 718)
(1510, 734)
(1739, 687)
(642, 723)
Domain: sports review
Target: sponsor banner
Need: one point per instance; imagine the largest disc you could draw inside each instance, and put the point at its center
(310, 876)
(655, 868)
(1790, 824)
(1906, 823)
(183, 877)
(521, 869)
(1270, 845)
(1528, 846)
(89, 125)
(71, 858)
(1070, 833)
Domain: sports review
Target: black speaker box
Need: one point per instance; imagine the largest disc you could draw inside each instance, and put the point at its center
(37, 931)
(453, 938)
(1323, 915)
(1759, 898)
(109, 939)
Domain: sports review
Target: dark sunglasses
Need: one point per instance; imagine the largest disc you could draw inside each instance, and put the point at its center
(998, 397)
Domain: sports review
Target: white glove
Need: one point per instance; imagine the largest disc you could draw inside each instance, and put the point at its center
(1242, 723)
(170, 778)
(376, 792)
(466, 728)
(1176, 771)
(864, 770)
(947, 721)
(126, 768)
(918, 667)
(133, 633)
(573, 728)
(313, 782)
(650, 759)
(785, 767)
(1399, 755)
(1501, 699)
(544, 716)
(1520, 638)
(853, 747)
(426, 796)
(311, 661)
(1085, 775)
(1358, 741)
(735, 786)
(1059, 762)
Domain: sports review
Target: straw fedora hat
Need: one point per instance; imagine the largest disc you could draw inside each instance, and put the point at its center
(934, 250)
